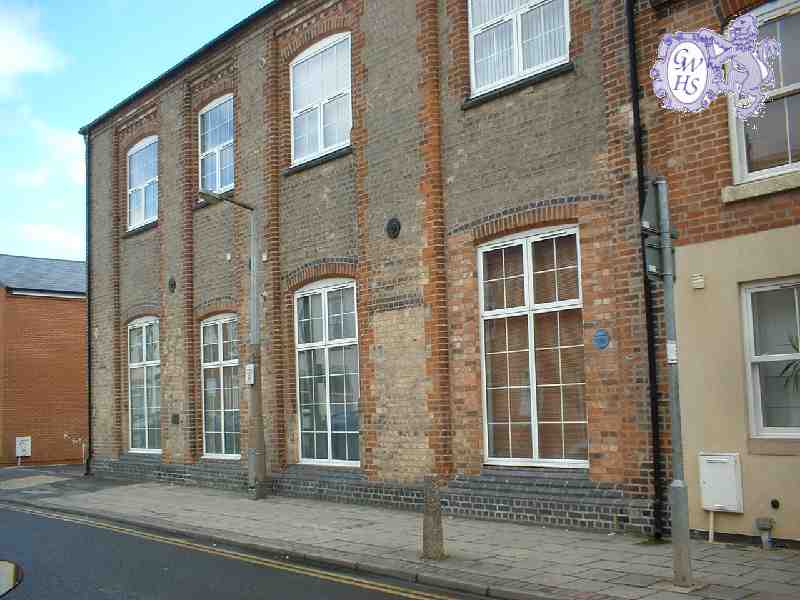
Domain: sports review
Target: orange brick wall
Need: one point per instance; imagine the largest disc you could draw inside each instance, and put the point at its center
(43, 384)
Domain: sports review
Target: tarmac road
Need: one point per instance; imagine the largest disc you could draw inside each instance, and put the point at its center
(71, 558)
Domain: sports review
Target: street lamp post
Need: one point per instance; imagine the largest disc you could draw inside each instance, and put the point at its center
(256, 449)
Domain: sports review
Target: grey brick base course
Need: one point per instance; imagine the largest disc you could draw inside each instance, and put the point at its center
(551, 497)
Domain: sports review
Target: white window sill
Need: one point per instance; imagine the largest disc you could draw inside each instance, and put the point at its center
(141, 227)
(313, 161)
(331, 463)
(144, 451)
(230, 457)
(761, 187)
(512, 85)
(556, 464)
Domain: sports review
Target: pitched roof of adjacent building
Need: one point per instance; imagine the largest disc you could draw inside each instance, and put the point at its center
(53, 275)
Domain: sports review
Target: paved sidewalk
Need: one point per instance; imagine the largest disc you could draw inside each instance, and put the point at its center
(497, 559)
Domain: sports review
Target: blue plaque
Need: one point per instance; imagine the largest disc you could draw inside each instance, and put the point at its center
(601, 339)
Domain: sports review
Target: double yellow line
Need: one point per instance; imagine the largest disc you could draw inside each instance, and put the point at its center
(231, 554)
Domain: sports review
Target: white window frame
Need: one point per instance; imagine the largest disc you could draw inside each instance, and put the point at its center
(325, 286)
(216, 150)
(220, 364)
(142, 324)
(526, 239)
(754, 400)
(741, 173)
(153, 139)
(519, 73)
(317, 48)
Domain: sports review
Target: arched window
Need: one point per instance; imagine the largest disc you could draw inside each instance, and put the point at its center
(532, 347)
(327, 371)
(144, 385)
(216, 129)
(143, 183)
(321, 111)
(219, 357)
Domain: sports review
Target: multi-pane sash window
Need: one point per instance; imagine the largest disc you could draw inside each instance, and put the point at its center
(321, 111)
(327, 373)
(216, 145)
(511, 39)
(220, 366)
(144, 385)
(143, 183)
(771, 144)
(532, 326)
(772, 325)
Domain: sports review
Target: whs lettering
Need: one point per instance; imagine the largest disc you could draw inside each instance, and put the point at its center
(687, 66)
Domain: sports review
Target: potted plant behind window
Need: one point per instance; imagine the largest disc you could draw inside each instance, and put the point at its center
(791, 372)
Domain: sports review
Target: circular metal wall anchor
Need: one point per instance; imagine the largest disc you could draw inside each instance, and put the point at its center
(172, 285)
(393, 228)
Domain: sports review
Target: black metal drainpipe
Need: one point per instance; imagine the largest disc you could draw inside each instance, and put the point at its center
(87, 143)
(648, 296)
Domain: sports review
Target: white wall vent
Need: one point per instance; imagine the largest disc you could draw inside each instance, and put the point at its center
(721, 482)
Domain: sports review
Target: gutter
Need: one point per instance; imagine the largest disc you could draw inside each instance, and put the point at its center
(42, 292)
(88, 146)
(264, 10)
(655, 425)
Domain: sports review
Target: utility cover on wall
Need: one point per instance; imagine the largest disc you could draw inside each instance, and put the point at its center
(721, 482)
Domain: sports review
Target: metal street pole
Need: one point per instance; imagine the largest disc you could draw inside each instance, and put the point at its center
(679, 495)
(256, 448)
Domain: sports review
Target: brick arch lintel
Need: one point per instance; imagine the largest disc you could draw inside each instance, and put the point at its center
(730, 9)
(319, 30)
(538, 213)
(144, 309)
(339, 266)
(215, 306)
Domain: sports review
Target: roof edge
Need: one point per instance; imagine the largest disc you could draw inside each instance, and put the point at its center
(264, 10)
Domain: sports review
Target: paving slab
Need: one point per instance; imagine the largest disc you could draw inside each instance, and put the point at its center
(628, 592)
(637, 580)
(761, 585)
(723, 592)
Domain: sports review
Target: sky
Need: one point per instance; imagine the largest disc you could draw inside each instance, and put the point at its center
(62, 64)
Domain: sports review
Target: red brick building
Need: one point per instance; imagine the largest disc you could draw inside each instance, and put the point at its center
(450, 276)
(734, 193)
(42, 358)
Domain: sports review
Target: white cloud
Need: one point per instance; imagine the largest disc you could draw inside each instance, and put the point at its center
(65, 151)
(33, 178)
(62, 155)
(58, 241)
(23, 48)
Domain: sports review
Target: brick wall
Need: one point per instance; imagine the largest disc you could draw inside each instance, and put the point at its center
(43, 385)
(556, 152)
(693, 151)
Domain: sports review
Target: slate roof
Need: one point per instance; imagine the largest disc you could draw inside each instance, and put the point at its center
(42, 274)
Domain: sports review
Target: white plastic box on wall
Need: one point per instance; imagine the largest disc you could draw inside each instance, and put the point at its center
(721, 482)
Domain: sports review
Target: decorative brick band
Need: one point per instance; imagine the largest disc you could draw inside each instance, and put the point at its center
(380, 305)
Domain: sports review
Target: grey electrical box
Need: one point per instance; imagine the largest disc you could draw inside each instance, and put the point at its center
(721, 482)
